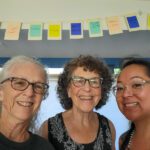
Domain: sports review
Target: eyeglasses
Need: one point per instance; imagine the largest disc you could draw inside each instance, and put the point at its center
(80, 81)
(22, 84)
(136, 85)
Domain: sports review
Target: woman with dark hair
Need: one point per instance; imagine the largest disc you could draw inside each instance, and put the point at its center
(133, 98)
(83, 86)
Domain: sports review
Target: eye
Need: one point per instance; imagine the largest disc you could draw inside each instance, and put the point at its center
(39, 86)
(79, 80)
(94, 81)
(119, 88)
(137, 85)
(19, 83)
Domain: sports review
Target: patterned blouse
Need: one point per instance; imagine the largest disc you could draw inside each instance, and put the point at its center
(59, 137)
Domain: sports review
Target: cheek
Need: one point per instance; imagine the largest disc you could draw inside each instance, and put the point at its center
(37, 105)
(144, 95)
(98, 93)
(72, 91)
(1, 94)
(144, 99)
(9, 98)
(38, 100)
(119, 103)
(8, 104)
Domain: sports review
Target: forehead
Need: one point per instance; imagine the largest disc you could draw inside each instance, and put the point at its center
(27, 70)
(132, 71)
(80, 71)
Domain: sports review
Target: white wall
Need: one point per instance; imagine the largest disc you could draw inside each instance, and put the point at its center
(51, 106)
(68, 10)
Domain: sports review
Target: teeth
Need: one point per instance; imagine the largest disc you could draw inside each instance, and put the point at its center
(131, 104)
(25, 104)
(86, 97)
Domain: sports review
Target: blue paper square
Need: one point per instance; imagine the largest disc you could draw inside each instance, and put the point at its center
(133, 22)
(75, 28)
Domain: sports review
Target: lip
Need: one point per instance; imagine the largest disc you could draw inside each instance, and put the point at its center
(86, 97)
(25, 103)
(131, 104)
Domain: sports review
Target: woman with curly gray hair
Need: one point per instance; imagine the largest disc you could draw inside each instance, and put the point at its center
(83, 86)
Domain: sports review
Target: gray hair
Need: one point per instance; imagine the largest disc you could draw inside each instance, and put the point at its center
(20, 60)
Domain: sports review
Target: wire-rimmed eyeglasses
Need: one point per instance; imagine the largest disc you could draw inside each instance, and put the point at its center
(136, 85)
(80, 81)
(21, 84)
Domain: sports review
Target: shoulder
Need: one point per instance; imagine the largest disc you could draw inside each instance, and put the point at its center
(57, 119)
(109, 124)
(113, 133)
(123, 137)
(43, 131)
(105, 120)
(50, 122)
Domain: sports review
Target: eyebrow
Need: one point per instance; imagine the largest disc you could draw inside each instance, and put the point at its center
(137, 77)
(132, 78)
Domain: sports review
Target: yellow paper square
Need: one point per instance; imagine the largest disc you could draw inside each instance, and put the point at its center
(148, 21)
(54, 31)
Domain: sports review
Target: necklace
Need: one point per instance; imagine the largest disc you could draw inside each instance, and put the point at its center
(130, 140)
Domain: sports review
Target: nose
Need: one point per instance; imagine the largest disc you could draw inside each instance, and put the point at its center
(127, 92)
(29, 90)
(87, 86)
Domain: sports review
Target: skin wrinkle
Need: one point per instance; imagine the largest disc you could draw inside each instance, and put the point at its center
(15, 116)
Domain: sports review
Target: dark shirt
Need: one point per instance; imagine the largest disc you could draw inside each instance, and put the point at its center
(59, 137)
(35, 142)
(125, 139)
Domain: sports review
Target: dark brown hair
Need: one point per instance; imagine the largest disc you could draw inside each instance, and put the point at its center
(89, 63)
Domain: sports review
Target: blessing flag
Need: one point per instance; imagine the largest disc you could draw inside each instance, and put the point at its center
(76, 30)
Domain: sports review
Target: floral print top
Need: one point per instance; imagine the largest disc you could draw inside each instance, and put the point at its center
(60, 139)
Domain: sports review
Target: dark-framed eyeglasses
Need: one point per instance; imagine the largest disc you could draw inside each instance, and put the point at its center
(80, 81)
(136, 85)
(21, 84)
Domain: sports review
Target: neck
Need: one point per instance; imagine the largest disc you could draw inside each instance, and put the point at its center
(143, 128)
(83, 116)
(14, 130)
(82, 119)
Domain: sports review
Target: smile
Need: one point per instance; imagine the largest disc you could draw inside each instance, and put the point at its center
(131, 104)
(86, 97)
(25, 104)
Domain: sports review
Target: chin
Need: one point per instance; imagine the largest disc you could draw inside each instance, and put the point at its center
(131, 117)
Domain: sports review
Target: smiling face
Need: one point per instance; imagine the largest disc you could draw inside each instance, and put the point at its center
(134, 100)
(22, 105)
(84, 98)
